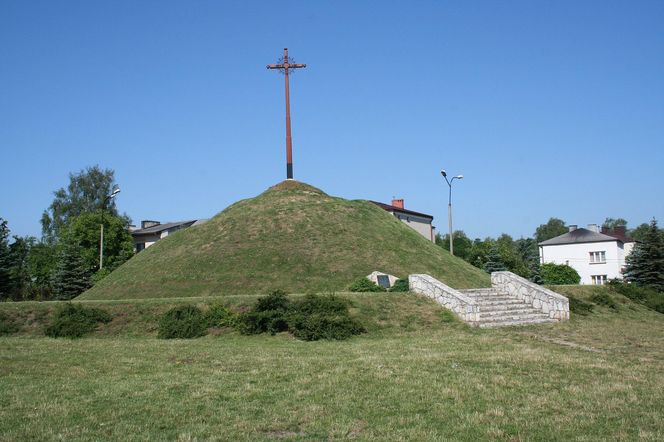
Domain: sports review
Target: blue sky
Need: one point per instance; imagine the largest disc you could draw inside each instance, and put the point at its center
(547, 108)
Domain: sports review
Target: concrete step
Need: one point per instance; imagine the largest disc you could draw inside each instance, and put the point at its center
(505, 307)
(511, 317)
(520, 322)
(513, 312)
(510, 301)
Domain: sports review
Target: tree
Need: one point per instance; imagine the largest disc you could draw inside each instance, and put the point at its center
(645, 265)
(494, 261)
(462, 244)
(640, 232)
(554, 227)
(118, 244)
(20, 277)
(612, 223)
(558, 274)
(71, 277)
(42, 262)
(86, 192)
(5, 262)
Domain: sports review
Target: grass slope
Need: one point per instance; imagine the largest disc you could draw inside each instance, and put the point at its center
(414, 376)
(294, 237)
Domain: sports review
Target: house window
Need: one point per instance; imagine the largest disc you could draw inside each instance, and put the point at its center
(598, 279)
(140, 246)
(598, 257)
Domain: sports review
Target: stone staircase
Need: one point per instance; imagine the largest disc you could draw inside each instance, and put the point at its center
(499, 309)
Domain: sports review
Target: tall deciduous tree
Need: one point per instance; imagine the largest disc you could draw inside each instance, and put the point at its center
(554, 227)
(645, 265)
(612, 223)
(118, 244)
(85, 193)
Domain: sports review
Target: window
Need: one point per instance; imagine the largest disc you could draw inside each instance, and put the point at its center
(597, 257)
(140, 246)
(598, 279)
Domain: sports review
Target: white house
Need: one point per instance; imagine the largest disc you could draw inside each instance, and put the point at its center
(420, 222)
(152, 231)
(596, 256)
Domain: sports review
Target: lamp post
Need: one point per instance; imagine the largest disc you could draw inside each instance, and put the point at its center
(449, 206)
(107, 198)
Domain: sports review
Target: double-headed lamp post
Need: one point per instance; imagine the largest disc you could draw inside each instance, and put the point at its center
(449, 206)
(107, 198)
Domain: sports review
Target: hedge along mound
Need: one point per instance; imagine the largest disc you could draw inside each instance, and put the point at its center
(292, 236)
(75, 320)
(310, 318)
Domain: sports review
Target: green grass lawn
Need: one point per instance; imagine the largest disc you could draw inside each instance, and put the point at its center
(415, 375)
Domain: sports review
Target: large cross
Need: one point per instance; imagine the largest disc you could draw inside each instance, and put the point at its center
(284, 66)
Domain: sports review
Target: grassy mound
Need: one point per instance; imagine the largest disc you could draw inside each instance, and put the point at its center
(292, 237)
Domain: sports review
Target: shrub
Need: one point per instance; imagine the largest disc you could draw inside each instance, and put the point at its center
(182, 322)
(317, 317)
(579, 307)
(274, 301)
(76, 320)
(555, 274)
(365, 285)
(272, 321)
(401, 285)
(268, 315)
(220, 316)
(7, 325)
(604, 299)
(649, 297)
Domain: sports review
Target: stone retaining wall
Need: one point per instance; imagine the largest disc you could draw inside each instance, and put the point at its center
(551, 303)
(464, 306)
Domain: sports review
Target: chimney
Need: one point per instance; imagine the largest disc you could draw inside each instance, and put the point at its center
(398, 203)
(572, 227)
(620, 230)
(147, 223)
(593, 228)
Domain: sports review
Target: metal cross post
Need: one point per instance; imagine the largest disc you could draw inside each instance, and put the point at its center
(284, 66)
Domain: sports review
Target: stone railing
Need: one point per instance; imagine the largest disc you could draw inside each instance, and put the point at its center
(551, 303)
(465, 307)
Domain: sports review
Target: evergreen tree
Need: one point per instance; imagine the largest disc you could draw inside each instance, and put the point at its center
(71, 278)
(645, 265)
(494, 261)
(5, 262)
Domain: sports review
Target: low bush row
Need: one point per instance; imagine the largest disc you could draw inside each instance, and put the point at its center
(649, 297)
(310, 318)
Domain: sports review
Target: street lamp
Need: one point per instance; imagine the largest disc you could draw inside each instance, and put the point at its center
(107, 198)
(449, 205)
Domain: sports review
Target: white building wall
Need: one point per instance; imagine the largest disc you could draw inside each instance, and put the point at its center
(577, 256)
(419, 224)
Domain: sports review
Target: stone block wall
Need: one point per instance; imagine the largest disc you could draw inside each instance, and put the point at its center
(464, 306)
(541, 298)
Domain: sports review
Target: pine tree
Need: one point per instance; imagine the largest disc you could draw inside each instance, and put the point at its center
(494, 261)
(5, 262)
(645, 265)
(71, 278)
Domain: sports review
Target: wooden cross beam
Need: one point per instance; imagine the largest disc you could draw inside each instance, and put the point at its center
(286, 65)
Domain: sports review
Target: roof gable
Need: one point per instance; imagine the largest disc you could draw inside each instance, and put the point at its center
(578, 236)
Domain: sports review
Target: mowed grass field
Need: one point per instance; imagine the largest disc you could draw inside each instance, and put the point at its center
(415, 375)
